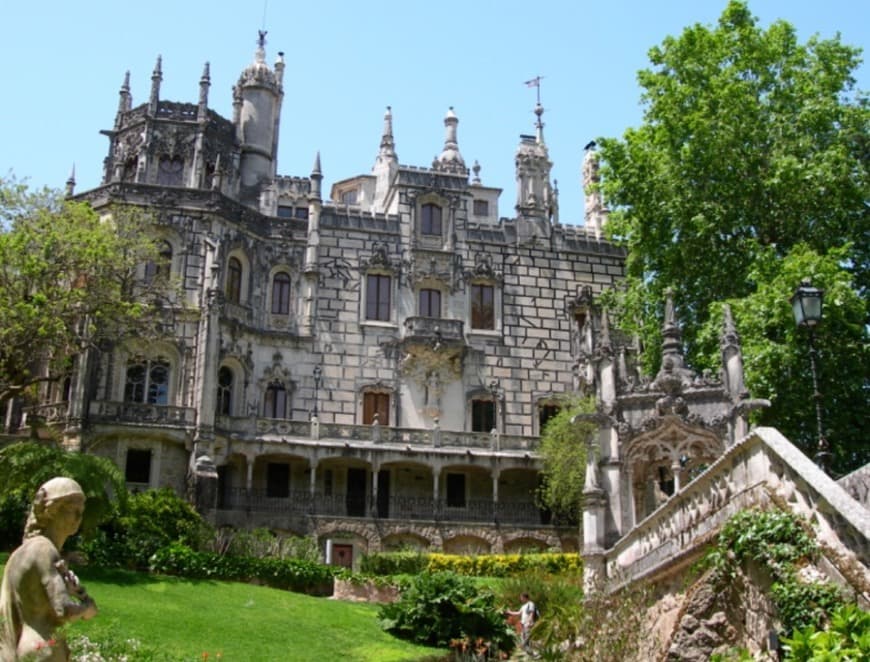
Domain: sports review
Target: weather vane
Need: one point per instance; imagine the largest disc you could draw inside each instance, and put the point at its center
(536, 83)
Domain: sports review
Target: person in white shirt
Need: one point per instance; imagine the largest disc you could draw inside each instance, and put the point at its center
(528, 614)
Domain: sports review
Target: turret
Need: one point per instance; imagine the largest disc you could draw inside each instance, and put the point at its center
(204, 84)
(125, 100)
(257, 110)
(536, 204)
(71, 182)
(595, 216)
(450, 160)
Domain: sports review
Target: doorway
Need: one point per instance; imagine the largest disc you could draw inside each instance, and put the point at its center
(355, 499)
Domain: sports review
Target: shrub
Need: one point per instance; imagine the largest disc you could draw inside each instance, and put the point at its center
(149, 521)
(445, 609)
(846, 638)
(484, 565)
(394, 563)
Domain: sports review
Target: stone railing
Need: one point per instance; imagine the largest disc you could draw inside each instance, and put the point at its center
(763, 468)
(104, 411)
(378, 434)
(50, 413)
(394, 507)
(857, 485)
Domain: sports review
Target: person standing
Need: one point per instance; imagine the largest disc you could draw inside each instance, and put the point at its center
(528, 614)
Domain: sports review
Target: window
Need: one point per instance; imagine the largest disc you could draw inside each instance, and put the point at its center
(301, 213)
(161, 266)
(225, 392)
(482, 307)
(348, 197)
(376, 403)
(456, 490)
(276, 401)
(545, 413)
(170, 171)
(138, 467)
(430, 303)
(234, 280)
(147, 381)
(281, 294)
(430, 219)
(481, 208)
(277, 480)
(482, 415)
(285, 211)
(378, 297)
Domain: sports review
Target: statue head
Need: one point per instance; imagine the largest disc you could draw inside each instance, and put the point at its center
(48, 501)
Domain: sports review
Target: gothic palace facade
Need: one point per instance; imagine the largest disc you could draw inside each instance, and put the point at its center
(371, 367)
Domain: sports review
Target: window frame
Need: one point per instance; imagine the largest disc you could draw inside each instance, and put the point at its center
(224, 404)
(483, 413)
(235, 276)
(431, 219)
(378, 286)
(425, 309)
(282, 285)
(271, 403)
(148, 390)
(476, 308)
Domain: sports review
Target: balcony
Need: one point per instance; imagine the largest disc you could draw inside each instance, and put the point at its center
(433, 331)
(303, 503)
(104, 411)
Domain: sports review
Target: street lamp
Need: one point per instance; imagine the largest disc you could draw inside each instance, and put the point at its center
(317, 372)
(806, 304)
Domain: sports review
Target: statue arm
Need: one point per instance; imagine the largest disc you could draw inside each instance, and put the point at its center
(61, 585)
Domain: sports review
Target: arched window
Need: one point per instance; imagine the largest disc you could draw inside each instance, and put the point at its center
(234, 280)
(147, 381)
(225, 392)
(281, 294)
(430, 219)
(160, 267)
(275, 404)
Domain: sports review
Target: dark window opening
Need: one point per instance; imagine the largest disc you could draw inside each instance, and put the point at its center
(430, 303)
(285, 211)
(138, 466)
(275, 402)
(545, 413)
(147, 381)
(482, 415)
(170, 171)
(277, 480)
(378, 297)
(225, 392)
(430, 221)
(455, 490)
(482, 307)
(234, 280)
(160, 267)
(281, 294)
(481, 208)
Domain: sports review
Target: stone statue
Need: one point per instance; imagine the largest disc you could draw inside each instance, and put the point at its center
(39, 593)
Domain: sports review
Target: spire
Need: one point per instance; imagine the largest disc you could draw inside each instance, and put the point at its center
(71, 182)
(388, 146)
(125, 101)
(316, 177)
(204, 84)
(539, 124)
(450, 159)
(156, 79)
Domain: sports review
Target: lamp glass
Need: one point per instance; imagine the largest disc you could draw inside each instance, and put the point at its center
(807, 305)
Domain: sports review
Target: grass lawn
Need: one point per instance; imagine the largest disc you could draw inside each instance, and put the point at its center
(177, 619)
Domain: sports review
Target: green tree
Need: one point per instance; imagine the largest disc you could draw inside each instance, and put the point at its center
(68, 279)
(25, 466)
(751, 157)
(563, 450)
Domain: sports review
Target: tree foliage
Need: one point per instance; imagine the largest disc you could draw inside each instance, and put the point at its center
(68, 279)
(751, 158)
(25, 466)
(563, 451)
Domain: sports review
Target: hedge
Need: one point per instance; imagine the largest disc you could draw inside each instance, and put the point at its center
(296, 575)
(486, 565)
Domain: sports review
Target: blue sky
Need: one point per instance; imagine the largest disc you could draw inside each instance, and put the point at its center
(346, 61)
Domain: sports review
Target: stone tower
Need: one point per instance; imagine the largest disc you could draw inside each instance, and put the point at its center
(536, 201)
(257, 101)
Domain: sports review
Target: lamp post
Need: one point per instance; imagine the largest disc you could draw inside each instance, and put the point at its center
(806, 304)
(317, 373)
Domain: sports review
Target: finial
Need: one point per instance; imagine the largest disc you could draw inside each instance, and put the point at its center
(206, 74)
(158, 68)
(156, 77)
(476, 170)
(261, 40)
(71, 182)
(316, 169)
(204, 84)
(388, 145)
(124, 100)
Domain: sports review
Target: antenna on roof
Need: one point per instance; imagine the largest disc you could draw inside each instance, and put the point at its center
(536, 83)
(265, 6)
